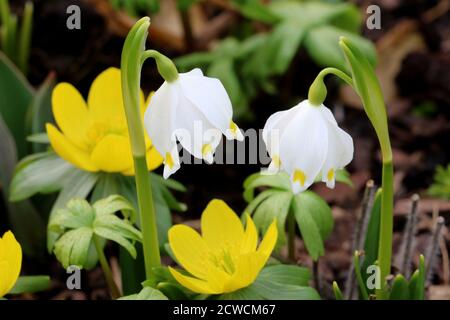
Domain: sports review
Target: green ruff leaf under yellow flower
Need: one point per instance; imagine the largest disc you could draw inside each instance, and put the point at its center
(10, 262)
(225, 257)
(94, 135)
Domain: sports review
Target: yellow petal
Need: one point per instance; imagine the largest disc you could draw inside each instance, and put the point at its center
(248, 267)
(250, 240)
(70, 112)
(105, 99)
(113, 154)
(68, 151)
(10, 262)
(190, 250)
(221, 227)
(270, 239)
(192, 284)
(154, 159)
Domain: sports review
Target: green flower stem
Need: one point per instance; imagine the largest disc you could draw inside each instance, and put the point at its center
(318, 91)
(131, 78)
(166, 67)
(367, 86)
(114, 290)
(291, 235)
(25, 37)
(386, 227)
(148, 216)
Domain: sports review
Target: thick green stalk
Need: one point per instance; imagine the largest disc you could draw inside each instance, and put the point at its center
(386, 227)
(131, 79)
(114, 290)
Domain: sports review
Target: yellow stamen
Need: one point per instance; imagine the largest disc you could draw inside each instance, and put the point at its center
(206, 149)
(299, 176)
(234, 128)
(330, 175)
(169, 160)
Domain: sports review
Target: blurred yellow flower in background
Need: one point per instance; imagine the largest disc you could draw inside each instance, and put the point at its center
(10, 262)
(93, 136)
(225, 257)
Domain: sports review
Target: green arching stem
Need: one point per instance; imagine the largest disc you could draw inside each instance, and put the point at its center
(166, 67)
(131, 78)
(318, 91)
(115, 293)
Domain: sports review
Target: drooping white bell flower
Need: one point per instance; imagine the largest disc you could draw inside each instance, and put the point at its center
(196, 111)
(306, 141)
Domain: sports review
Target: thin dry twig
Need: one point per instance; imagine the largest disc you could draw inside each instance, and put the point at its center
(407, 246)
(432, 249)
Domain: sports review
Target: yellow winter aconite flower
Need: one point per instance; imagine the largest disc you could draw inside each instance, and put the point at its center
(10, 262)
(225, 257)
(93, 136)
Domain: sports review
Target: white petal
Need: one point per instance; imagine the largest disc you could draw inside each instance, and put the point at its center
(275, 126)
(303, 146)
(210, 97)
(327, 114)
(340, 153)
(159, 118)
(194, 131)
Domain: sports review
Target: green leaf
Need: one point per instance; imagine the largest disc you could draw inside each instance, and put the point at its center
(147, 293)
(279, 181)
(73, 246)
(80, 186)
(39, 138)
(308, 228)
(337, 291)
(31, 284)
(194, 60)
(417, 282)
(27, 224)
(109, 234)
(113, 204)
(441, 183)
(322, 43)
(286, 274)
(119, 226)
(15, 97)
(368, 88)
(274, 207)
(400, 289)
(40, 111)
(256, 10)
(45, 175)
(319, 210)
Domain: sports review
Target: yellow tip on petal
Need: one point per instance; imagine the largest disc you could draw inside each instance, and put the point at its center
(300, 177)
(169, 160)
(276, 161)
(330, 174)
(206, 149)
(234, 128)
